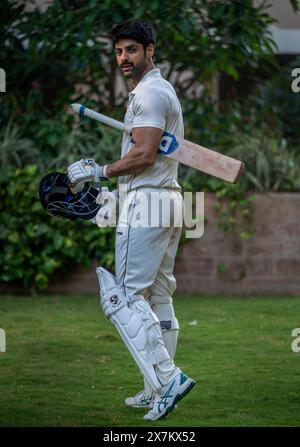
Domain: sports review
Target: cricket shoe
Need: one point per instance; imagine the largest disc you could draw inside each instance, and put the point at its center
(171, 393)
(140, 400)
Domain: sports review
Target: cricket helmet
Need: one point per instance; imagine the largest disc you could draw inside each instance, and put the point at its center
(58, 199)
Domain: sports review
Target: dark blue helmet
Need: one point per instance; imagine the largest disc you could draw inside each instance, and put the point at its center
(58, 199)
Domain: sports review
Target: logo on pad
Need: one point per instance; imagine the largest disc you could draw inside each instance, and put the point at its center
(114, 300)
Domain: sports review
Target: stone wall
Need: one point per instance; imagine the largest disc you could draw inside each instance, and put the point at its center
(268, 263)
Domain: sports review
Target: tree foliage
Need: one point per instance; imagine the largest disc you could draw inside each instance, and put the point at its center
(60, 53)
(48, 52)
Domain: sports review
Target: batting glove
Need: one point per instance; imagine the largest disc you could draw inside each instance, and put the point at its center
(86, 171)
(76, 188)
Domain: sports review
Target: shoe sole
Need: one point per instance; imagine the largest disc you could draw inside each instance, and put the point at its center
(138, 406)
(177, 399)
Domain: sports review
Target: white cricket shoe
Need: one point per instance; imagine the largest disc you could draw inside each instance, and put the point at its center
(140, 400)
(171, 393)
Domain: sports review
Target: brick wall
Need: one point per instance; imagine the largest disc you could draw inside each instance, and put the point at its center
(268, 263)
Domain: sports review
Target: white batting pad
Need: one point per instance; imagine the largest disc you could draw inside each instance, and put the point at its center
(137, 325)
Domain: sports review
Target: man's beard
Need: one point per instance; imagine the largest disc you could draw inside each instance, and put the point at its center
(136, 71)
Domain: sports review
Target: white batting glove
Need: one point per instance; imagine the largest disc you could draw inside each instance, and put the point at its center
(86, 170)
(76, 188)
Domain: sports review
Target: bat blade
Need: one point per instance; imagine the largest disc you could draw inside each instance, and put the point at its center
(208, 161)
(190, 154)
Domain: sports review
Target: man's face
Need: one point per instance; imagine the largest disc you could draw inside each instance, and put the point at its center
(131, 57)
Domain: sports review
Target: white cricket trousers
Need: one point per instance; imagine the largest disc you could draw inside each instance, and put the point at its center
(147, 238)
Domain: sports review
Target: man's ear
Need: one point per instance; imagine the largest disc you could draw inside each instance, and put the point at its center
(150, 51)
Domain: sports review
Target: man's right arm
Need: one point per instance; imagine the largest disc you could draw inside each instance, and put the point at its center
(143, 154)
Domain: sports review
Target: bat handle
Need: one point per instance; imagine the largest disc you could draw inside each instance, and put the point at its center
(85, 111)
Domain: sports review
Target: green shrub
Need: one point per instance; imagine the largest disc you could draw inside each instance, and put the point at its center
(36, 246)
(251, 133)
(270, 164)
(15, 149)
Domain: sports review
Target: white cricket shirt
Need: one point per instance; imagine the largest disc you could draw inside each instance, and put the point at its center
(153, 103)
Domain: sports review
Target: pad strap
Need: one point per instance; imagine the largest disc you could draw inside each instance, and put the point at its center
(169, 325)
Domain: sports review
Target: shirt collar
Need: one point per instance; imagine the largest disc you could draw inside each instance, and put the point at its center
(152, 74)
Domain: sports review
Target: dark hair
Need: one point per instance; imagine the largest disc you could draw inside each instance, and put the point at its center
(138, 30)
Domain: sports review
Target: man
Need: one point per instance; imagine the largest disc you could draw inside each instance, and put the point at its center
(139, 300)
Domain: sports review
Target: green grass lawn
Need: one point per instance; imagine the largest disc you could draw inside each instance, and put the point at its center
(65, 364)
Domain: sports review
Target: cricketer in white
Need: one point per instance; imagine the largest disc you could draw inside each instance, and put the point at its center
(138, 300)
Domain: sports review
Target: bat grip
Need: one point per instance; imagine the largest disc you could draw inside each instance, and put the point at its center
(85, 111)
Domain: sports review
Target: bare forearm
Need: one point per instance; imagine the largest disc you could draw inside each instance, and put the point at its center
(133, 162)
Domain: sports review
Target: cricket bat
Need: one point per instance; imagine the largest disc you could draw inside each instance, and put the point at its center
(184, 151)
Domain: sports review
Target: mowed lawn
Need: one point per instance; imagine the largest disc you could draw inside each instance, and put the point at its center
(65, 364)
